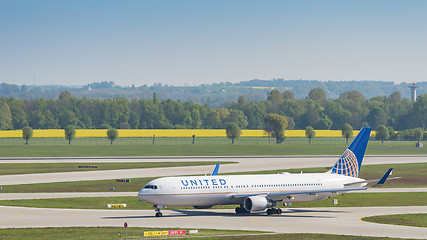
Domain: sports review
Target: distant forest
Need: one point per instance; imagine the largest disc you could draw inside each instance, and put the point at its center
(219, 95)
(315, 109)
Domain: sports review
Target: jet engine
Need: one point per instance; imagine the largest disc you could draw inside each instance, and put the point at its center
(257, 203)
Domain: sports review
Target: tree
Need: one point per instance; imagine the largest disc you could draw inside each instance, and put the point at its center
(70, 133)
(213, 119)
(27, 133)
(310, 133)
(337, 114)
(419, 111)
(288, 95)
(255, 113)
(238, 117)
(347, 131)
(392, 133)
(317, 94)
(66, 118)
(19, 115)
(5, 116)
(233, 131)
(275, 97)
(241, 102)
(112, 134)
(418, 134)
(134, 120)
(382, 133)
(377, 117)
(197, 120)
(275, 126)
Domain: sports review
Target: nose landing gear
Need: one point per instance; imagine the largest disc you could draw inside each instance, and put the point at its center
(158, 213)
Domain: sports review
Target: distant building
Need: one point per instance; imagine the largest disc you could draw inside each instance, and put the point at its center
(413, 92)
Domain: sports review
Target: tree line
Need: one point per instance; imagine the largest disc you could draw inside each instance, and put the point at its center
(215, 95)
(121, 113)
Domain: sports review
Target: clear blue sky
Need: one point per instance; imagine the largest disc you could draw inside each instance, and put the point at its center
(76, 42)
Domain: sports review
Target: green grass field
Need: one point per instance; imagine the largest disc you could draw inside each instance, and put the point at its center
(346, 200)
(412, 175)
(414, 220)
(91, 147)
(89, 233)
(28, 168)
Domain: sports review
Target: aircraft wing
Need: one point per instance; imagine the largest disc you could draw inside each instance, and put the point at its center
(314, 192)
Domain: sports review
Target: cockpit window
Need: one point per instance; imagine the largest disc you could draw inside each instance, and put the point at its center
(150, 187)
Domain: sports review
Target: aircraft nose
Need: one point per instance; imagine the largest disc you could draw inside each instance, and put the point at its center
(141, 195)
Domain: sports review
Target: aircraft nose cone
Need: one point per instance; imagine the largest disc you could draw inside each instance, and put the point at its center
(141, 195)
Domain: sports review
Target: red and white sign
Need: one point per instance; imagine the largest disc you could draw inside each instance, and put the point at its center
(177, 232)
(125, 225)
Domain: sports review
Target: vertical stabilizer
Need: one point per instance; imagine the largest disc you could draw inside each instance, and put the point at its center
(350, 161)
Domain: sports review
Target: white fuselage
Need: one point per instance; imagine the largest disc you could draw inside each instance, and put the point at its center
(206, 191)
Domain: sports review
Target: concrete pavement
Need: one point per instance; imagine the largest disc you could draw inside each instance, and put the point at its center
(307, 220)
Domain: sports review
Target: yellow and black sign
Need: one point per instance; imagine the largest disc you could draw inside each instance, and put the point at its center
(164, 233)
(156, 233)
(116, 205)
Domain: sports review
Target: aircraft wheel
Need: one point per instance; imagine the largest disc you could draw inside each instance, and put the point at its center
(240, 210)
(279, 211)
(159, 214)
(269, 211)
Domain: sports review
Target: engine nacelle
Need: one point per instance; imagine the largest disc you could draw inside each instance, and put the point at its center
(257, 203)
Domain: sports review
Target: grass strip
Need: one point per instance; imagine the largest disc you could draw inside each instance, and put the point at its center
(89, 233)
(91, 147)
(413, 220)
(413, 175)
(346, 200)
(30, 168)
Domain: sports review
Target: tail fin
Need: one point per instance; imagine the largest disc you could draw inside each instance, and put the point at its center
(350, 161)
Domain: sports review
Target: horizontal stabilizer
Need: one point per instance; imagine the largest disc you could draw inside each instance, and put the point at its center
(384, 178)
(379, 181)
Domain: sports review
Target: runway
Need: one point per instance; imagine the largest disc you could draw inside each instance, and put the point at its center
(313, 220)
(243, 164)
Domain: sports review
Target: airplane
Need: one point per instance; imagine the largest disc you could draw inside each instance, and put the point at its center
(260, 192)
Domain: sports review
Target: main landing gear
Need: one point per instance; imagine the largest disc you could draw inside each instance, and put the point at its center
(158, 213)
(241, 209)
(276, 211)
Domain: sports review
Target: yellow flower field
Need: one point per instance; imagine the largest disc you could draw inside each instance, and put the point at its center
(52, 133)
